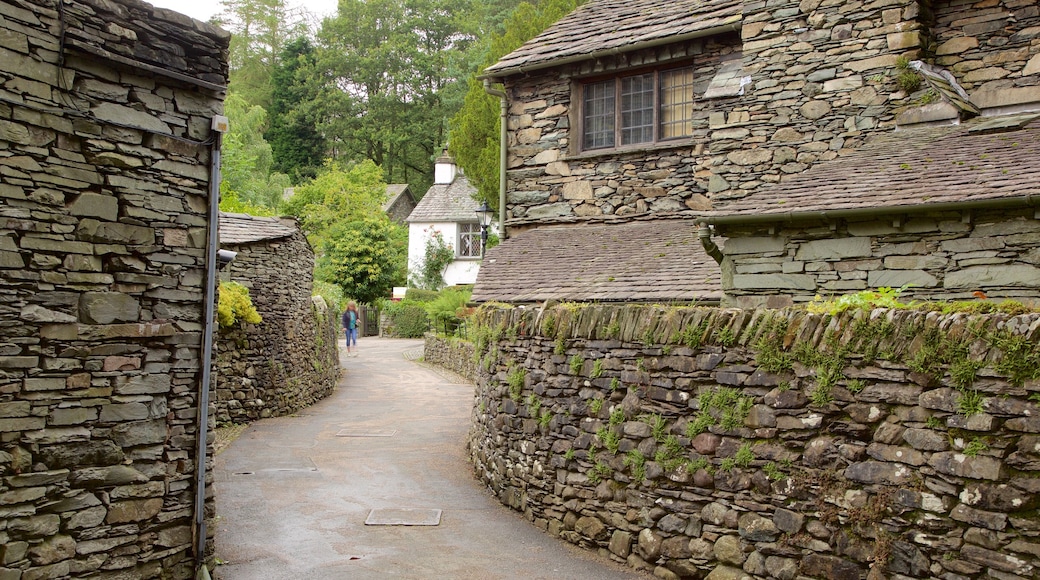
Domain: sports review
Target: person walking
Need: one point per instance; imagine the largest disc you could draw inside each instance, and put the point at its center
(350, 321)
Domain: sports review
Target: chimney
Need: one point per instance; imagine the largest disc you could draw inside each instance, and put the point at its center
(444, 169)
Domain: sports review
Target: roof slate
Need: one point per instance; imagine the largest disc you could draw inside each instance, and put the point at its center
(912, 168)
(452, 202)
(240, 228)
(616, 25)
(641, 261)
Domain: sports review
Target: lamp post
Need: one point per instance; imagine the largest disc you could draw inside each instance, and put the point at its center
(485, 214)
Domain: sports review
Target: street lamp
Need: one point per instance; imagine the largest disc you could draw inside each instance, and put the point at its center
(485, 214)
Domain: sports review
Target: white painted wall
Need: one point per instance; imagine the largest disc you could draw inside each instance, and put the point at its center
(462, 271)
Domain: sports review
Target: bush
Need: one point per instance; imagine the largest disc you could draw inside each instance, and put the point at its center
(420, 295)
(332, 294)
(448, 309)
(234, 304)
(406, 319)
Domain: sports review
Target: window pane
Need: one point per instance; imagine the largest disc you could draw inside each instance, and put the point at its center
(469, 240)
(599, 115)
(677, 103)
(637, 109)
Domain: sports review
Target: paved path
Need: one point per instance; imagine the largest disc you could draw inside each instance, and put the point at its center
(293, 493)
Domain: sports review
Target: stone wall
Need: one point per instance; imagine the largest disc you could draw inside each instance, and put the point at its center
(288, 361)
(823, 79)
(939, 257)
(105, 110)
(454, 354)
(771, 444)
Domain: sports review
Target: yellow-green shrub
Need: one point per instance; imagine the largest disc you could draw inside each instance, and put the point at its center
(234, 304)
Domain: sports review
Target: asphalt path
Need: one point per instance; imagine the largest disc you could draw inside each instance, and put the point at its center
(294, 493)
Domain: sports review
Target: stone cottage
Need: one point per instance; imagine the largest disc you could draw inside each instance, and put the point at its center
(289, 360)
(400, 201)
(450, 209)
(106, 108)
(665, 110)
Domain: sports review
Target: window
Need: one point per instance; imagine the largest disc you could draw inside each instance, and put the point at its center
(469, 240)
(641, 108)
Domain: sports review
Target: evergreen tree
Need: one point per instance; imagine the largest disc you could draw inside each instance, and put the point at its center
(297, 143)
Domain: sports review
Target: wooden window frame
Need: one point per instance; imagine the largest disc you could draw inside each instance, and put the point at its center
(578, 121)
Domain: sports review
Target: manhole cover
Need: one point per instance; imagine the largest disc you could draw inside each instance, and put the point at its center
(403, 517)
(366, 433)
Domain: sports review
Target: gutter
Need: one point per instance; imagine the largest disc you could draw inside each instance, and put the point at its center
(733, 26)
(855, 213)
(212, 247)
(503, 145)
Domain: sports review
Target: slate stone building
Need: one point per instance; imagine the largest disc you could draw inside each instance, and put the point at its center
(751, 125)
(105, 145)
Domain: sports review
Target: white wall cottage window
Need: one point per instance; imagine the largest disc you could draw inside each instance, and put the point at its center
(637, 109)
(469, 240)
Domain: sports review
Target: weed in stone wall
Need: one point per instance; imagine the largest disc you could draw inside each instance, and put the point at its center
(773, 472)
(725, 337)
(599, 472)
(964, 371)
(670, 453)
(695, 465)
(636, 461)
(1035, 397)
(855, 386)
(560, 345)
(595, 406)
(1020, 360)
(701, 423)
(744, 456)
(597, 369)
(971, 402)
(617, 416)
(569, 454)
(615, 384)
(692, 335)
(610, 438)
(545, 419)
(515, 379)
(534, 405)
(975, 447)
(658, 426)
(549, 325)
(613, 329)
(728, 464)
(934, 422)
(770, 354)
(576, 363)
(821, 396)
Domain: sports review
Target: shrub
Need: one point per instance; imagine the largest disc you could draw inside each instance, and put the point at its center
(234, 304)
(420, 295)
(448, 309)
(406, 319)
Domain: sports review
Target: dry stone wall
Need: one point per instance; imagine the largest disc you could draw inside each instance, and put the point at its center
(105, 110)
(937, 257)
(725, 443)
(451, 353)
(288, 361)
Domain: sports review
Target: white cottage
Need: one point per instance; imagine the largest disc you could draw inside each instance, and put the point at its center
(450, 209)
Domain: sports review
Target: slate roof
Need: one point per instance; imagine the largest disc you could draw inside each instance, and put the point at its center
(977, 163)
(608, 26)
(240, 228)
(394, 191)
(638, 261)
(452, 202)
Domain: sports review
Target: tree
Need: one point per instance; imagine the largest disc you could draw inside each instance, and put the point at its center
(388, 70)
(474, 141)
(246, 160)
(297, 143)
(365, 258)
(337, 195)
(258, 29)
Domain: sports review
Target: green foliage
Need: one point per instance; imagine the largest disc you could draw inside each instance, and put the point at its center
(234, 304)
(365, 258)
(437, 255)
(249, 184)
(332, 294)
(534, 405)
(773, 472)
(576, 363)
(692, 336)
(595, 406)
(658, 427)
(339, 194)
(636, 461)
(744, 455)
(770, 354)
(728, 464)
(297, 143)
(934, 422)
(599, 472)
(724, 406)
(971, 402)
(670, 453)
(883, 297)
(725, 337)
(615, 384)
(421, 295)
(610, 438)
(406, 319)
(545, 419)
(515, 379)
(975, 446)
(821, 395)
(597, 369)
(613, 329)
(617, 416)
(1020, 360)
(449, 308)
(474, 129)
(855, 386)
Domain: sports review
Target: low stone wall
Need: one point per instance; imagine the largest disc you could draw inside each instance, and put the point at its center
(774, 444)
(453, 354)
(263, 373)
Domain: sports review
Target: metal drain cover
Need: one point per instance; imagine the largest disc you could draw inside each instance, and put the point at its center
(366, 433)
(403, 517)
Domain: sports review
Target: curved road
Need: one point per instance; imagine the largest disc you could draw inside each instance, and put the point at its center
(293, 493)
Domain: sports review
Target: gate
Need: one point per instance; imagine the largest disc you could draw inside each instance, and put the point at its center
(370, 314)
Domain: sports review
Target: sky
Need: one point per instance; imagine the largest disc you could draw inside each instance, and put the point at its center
(206, 9)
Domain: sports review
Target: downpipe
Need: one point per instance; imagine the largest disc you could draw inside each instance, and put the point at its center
(503, 150)
(710, 247)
